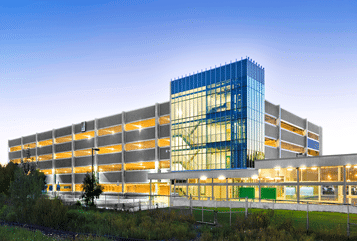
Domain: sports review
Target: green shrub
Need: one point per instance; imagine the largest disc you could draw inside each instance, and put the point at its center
(49, 213)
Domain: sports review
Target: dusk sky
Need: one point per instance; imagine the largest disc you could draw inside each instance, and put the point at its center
(64, 62)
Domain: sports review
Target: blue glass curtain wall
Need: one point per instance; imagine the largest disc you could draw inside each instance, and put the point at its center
(218, 118)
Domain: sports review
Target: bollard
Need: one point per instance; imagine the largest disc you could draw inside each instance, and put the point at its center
(105, 201)
(202, 213)
(230, 212)
(246, 206)
(307, 219)
(348, 227)
(191, 206)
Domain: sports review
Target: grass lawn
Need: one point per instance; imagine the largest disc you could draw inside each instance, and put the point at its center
(318, 221)
(15, 233)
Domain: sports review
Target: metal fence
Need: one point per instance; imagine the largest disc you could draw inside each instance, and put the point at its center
(211, 211)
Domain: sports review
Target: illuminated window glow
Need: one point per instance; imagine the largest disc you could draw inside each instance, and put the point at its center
(15, 148)
(292, 128)
(44, 157)
(85, 152)
(164, 142)
(44, 143)
(83, 169)
(292, 147)
(140, 124)
(85, 135)
(30, 145)
(313, 136)
(140, 166)
(111, 130)
(164, 120)
(269, 119)
(313, 152)
(140, 145)
(47, 172)
(63, 155)
(112, 187)
(164, 164)
(110, 149)
(16, 161)
(138, 188)
(271, 142)
(63, 139)
(64, 171)
(105, 168)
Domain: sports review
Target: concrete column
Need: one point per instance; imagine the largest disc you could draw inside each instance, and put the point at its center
(53, 161)
(199, 188)
(156, 130)
(279, 130)
(22, 148)
(227, 189)
(123, 152)
(320, 187)
(187, 187)
(212, 189)
(96, 145)
(259, 190)
(320, 141)
(73, 158)
(37, 140)
(298, 184)
(344, 185)
(306, 138)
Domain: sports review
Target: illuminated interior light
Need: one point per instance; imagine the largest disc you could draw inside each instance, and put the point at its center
(203, 178)
(221, 178)
(277, 168)
(180, 112)
(278, 178)
(314, 168)
(289, 168)
(348, 166)
(254, 177)
(303, 168)
(355, 166)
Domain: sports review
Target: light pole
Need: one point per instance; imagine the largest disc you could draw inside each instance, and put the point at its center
(93, 149)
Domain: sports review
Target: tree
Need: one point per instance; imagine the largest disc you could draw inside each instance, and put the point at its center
(7, 175)
(91, 189)
(24, 190)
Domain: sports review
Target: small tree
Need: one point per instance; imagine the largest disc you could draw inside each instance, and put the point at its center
(7, 175)
(91, 189)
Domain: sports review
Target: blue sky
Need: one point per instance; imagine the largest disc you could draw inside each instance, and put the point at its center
(64, 62)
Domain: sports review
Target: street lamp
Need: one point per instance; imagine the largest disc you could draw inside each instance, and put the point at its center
(93, 149)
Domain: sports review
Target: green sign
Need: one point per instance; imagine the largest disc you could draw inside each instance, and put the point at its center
(248, 192)
(268, 193)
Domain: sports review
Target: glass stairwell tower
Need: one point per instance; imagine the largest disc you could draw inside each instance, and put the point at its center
(217, 118)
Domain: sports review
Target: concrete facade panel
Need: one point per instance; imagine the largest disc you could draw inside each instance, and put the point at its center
(43, 165)
(29, 139)
(110, 139)
(64, 178)
(63, 131)
(63, 163)
(14, 142)
(89, 127)
(115, 158)
(271, 152)
(15, 155)
(79, 178)
(164, 131)
(271, 109)
(164, 109)
(49, 180)
(293, 119)
(292, 137)
(63, 147)
(32, 152)
(110, 177)
(271, 131)
(84, 144)
(109, 121)
(287, 154)
(83, 161)
(140, 155)
(136, 176)
(312, 127)
(136, 135)
(44, 136)
(143, 113)
(44, 150)
(164, 153)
